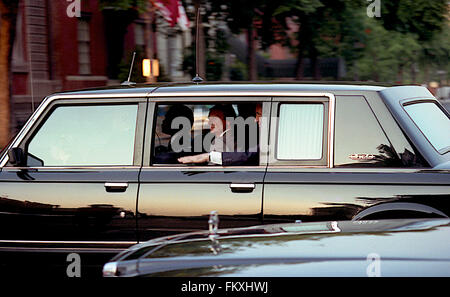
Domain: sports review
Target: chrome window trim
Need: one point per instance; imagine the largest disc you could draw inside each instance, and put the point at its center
(331, 122)
(67, 242)
(153, 95)
(331, 126)
(50, 99)
(73, 167)
(108, 250)
(212, 167)
(156, 95)
(65, 246)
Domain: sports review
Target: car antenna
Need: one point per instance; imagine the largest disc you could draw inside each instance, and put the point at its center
(197, 79)
(128, 82)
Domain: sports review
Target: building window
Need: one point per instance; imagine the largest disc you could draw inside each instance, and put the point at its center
(84, 40)
(139, 30)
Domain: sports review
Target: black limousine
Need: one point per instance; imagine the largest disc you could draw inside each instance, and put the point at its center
(100, 170)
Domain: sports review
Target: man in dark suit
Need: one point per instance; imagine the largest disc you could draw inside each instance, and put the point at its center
(177, 146)
(230, 158)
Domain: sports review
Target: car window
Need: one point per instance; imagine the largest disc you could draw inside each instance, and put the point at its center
(300, 132)
(361, 142)
(89, 135)
(433, 123)
(191, 129)
(359, 139)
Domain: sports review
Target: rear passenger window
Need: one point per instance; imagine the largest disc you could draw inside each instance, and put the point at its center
(300, 132)
(96, 135)
(433, 122)
(361, 142)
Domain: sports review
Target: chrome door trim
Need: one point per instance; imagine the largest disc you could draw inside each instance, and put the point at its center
(74, 167)
(157, 95)
(50, 99)
(65, 246)
(152, 95)
(238, 186)
(115, 187)
(60, 242)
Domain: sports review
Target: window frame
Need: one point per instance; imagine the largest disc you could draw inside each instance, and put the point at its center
(329, 103)
(324, 121)
(40, 117)
(201, 100)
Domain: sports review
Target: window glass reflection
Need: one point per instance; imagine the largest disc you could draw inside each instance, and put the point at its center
(207, 134)
(361, 142)
(433, 123)
(86, 136)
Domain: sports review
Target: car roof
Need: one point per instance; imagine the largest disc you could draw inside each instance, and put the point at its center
(221, 87)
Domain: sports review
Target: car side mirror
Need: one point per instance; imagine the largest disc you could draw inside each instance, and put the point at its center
(16, 157)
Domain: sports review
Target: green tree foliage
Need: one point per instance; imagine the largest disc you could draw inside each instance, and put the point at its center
(241, 17)
(422, 17)
(386, 54)
(217, 47)
(326, 27)
(118, 15)
(411, 34)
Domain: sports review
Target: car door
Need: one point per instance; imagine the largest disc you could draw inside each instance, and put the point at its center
(177, 198)
(80, 184)
(339, 157)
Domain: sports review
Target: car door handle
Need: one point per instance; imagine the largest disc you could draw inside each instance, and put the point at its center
(116, 187)
(242, 188)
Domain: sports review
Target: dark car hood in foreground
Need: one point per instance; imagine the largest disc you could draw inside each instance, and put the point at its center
(398, 247)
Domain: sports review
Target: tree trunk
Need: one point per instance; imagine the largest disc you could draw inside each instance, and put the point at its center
(8, 13)
(300, 67)
(116, 24)
(251, 54)
(375, 75)
(400, 73)
(426, 72)
(413, 73)
(315, 66)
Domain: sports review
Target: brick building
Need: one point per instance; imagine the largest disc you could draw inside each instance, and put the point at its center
(56, 51)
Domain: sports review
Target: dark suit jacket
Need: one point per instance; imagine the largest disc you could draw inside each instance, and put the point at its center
(249, 157)
(240, 158)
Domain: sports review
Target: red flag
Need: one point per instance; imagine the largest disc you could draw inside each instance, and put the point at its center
(169, 10)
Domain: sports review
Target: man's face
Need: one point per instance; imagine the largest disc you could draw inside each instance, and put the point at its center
(258, 114)
(216, 122)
